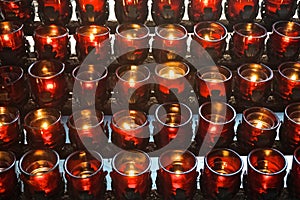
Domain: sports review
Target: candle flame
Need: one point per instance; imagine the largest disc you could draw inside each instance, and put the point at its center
(92, 37)
(178, 172)
(171, 36)
(85, 127)
(286, 39)
(250, 37)
(171, 74)
(253, 78)
(49, 40)
(294, 77)
(259, 124)
(206, 37)
(45, 125)
(126, 126)
(131, 82)
(1, 124)
(6, 37)
(50, 86)
(131, 173)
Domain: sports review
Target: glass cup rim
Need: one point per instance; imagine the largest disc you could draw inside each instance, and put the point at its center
(147, 169)
(73, 125)
(20, 25)
(217, 123)
(172, 103)
(10, 109)
(41, 27)
(286, 111)
(164, 65)
(125, 111)
(14, 160)
(254, 24)
(55, 62)
(270, 75)
(143, 67)
(82, 151)
(274, 127)
(229, 150)
(283, 65)
(274, 29)
(76, 69)
(295, 156)
(264, 173)
(198, 73)
(132, 25)
(55, 165)
(211, 22)
(182, 152)
(20, 72)
(81, 28)
(178, 26)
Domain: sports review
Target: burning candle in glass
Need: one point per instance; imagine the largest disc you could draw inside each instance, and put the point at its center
(248, 41)
(284, 41)
(51, 42)
(278, 9)
(221, 176)
(10, 128)
(173, 123)
(266, 172)
(48, 83)
(177, 175)
(204, 10)
(93, 39)
(167, 11)
(214, 82)
(90, 84)
(132, 43)
(293, 179)
(40, 173)
(86, 129)
(8, 177)
(170, 43)
(131, 11)
(171, 78)
(209, 37)
(55, 11)
(241, 10)
(288, 81)
(12, 42)
(289, 132)
(258, 128)
(216, 125)
(85, 175)
(13, 87)
(92, 11)
(44, 129)
(131, 175)
(17, 10)
(253, 82)
(130, 129)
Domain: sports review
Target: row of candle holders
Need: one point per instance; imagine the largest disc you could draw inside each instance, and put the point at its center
(131, 175)
(162, 11)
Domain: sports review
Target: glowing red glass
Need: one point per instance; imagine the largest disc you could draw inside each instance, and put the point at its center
(167, 11)
(17, 10)
(293, 179)
(8, 177)
(279, 9)
(205, 10)
(131, 11)
(241, 10)
(92, 11)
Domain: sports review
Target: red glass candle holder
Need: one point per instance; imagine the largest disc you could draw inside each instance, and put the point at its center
(241, 10)
(284, 41)
(44, 129)
(86, 129)
(47, 82)
(216, 125)
(55, 11)
(214, 82)
(129, 11)
(90, 84)
(92, 11)
(85, 175)
(221, 176)
(288, 81)
(131, 175)
(253, 82)
(93, 40)
(130, 129)
(40, 173)
(170, 43)
(204, 10)
(293, 179)
(289, 132)
(167, 11)
(258, 128)
(172, 80)
(133, 83)
(209, 38)
(132, 43)
(17, 10)
(266, 172)
(173, 126)
(10, 128)
(13, 87)
(8, 177)
(12, 42)
(51, 42)
(177, 176)
(248, 41)
(275, 10)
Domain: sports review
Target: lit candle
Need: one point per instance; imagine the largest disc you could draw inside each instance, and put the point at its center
(241, 10)
(92, 11)
(171, 72)
(131, 11)
(276, 10)
(204, 10)
(17, 10)
(8, 177)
